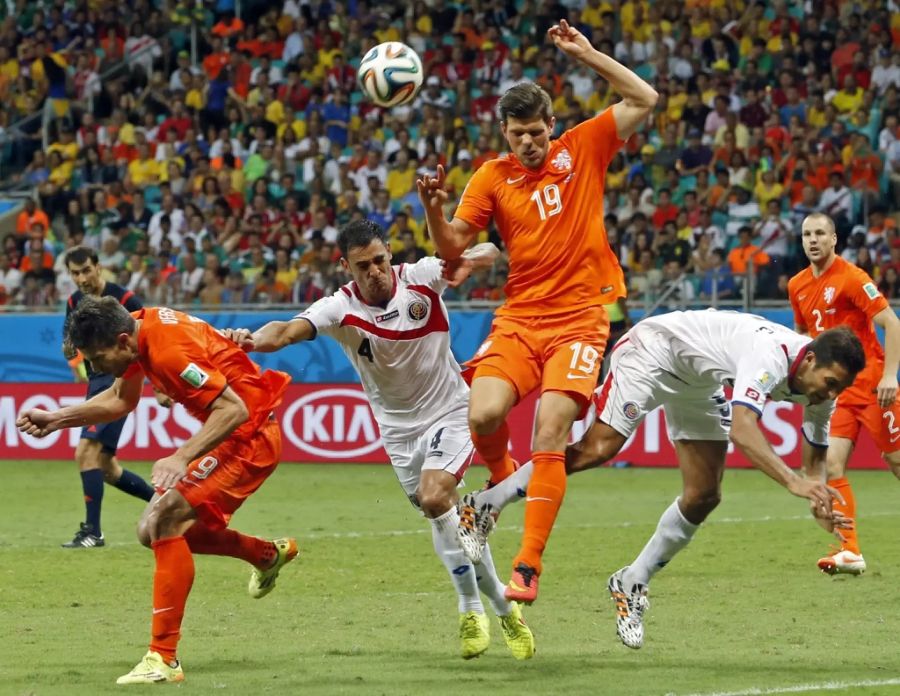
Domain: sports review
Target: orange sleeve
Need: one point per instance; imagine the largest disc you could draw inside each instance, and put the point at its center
(182, 361)
(792, 295)
(865, 294)
(595, 138)
(476, 205)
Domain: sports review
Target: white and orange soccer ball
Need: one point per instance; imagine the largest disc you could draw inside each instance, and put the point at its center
(391, 74)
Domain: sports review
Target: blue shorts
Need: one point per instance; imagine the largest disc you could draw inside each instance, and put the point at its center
(107, 434)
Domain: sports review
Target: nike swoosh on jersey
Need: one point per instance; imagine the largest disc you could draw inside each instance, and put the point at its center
(571, 376)
(515, 181)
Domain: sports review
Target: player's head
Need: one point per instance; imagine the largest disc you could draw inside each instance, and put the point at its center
(819, 237)
(104, 332)
(526, 119)
(832, 361)
(366, 256)
(84, 267)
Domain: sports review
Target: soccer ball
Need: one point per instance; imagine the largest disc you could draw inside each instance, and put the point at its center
(391, 74)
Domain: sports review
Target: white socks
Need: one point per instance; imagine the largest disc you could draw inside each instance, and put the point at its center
(462, 574)
(490, 584)
(510, 489)
(672, 534)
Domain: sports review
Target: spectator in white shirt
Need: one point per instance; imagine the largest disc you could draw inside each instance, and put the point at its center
(887, 72)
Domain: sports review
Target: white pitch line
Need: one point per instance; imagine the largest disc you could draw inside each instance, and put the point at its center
(518, 528)
(800, 688)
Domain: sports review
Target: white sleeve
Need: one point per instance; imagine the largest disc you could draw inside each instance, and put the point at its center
(816, 422)
(326, 314)
(427, 271)
(758, 373)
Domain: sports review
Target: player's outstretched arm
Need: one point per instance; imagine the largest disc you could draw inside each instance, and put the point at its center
(813, 468)
(750, 440)
(273, 336)
(451, 238)
(887, 387)
(109, 405)
(638, 97)
(480, 256)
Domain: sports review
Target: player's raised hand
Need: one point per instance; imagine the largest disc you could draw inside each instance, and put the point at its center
(431, 190)
(833, 523)
(569, 40)
(817, 493)
(167, 471)
(243, 337)
(36, 422)
(455, 272)
(887, 390)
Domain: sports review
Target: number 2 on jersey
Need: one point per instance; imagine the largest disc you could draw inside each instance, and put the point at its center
(365, 350)
(551, 198)
(818, 315)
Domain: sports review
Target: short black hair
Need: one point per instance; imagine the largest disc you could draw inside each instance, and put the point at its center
(840, 346)
(360, 233)
(80, 255)
(97, 323)
(525, 101)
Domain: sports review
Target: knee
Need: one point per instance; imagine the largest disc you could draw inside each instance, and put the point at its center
(145, 532)
(434, 501)
(893, 461)
(484, 420)
(696, 504)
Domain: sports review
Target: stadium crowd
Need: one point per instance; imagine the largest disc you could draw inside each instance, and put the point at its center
(224, 179)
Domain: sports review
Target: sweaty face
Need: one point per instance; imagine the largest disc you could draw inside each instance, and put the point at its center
(818, 238)
(529, 139)
(111, 360)
(370, 267)
(87, 277)
(822, 382)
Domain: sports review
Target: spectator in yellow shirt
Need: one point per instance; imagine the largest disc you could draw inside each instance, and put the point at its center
(404, 223)
(401, 178)
(143, 170)
(458, 176)
(850, 98)
(592, 14)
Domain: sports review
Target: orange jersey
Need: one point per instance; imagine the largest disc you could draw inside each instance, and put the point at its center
(551, 221)
(191, 362)
(844, 295)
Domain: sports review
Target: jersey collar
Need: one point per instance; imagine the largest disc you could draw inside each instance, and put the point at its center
(374, 304)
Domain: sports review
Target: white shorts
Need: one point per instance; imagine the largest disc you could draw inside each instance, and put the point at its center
(636, 384)
(445, 446)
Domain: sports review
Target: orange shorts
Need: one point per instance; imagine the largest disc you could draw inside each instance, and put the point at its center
(218, 483)
(558, 353)
(883, 424)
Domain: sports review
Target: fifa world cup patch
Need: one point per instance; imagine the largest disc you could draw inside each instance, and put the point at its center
(194, 376)
(417, 310)
(871, 290)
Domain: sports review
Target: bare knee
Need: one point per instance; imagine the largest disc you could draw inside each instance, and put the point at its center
(552, 436)
(166, 516)
(144, 534)
(87, 455)
(436, 493)
(696, 503)
(484, 420)
(893, 461)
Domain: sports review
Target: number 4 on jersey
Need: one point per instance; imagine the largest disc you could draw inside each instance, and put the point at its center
(365, 350)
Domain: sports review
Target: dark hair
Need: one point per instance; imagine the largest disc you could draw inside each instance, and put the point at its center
(97, 322)
(525, 101)
(80, 255)
(360, 233)
(839, 346)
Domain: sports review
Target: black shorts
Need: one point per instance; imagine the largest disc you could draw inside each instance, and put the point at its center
(107, 434)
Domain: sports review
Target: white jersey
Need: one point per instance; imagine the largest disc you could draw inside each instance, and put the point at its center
(755, 356)
(401, 351)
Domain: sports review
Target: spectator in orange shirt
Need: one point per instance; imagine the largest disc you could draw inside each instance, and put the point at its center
(216, 60)
(30, 215)
(739, 257)
(865, 166)
(228, 26)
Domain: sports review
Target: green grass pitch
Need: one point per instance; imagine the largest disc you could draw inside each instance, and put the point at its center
(368, 608)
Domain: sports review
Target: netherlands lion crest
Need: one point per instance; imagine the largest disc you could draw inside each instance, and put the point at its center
(417, 310)
(562, 162)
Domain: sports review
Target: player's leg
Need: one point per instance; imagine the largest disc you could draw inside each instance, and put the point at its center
(87, 457)
(503, 370)
(846, 423)
(571, 352)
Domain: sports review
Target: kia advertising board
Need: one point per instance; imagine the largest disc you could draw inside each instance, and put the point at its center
(333, 423)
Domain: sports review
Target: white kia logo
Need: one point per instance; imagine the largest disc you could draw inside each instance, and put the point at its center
(330, 427)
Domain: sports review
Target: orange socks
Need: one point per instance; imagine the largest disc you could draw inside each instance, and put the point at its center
(494, 450)
(171, 584)
(848, 509)
(545, 494)
(227, 542)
